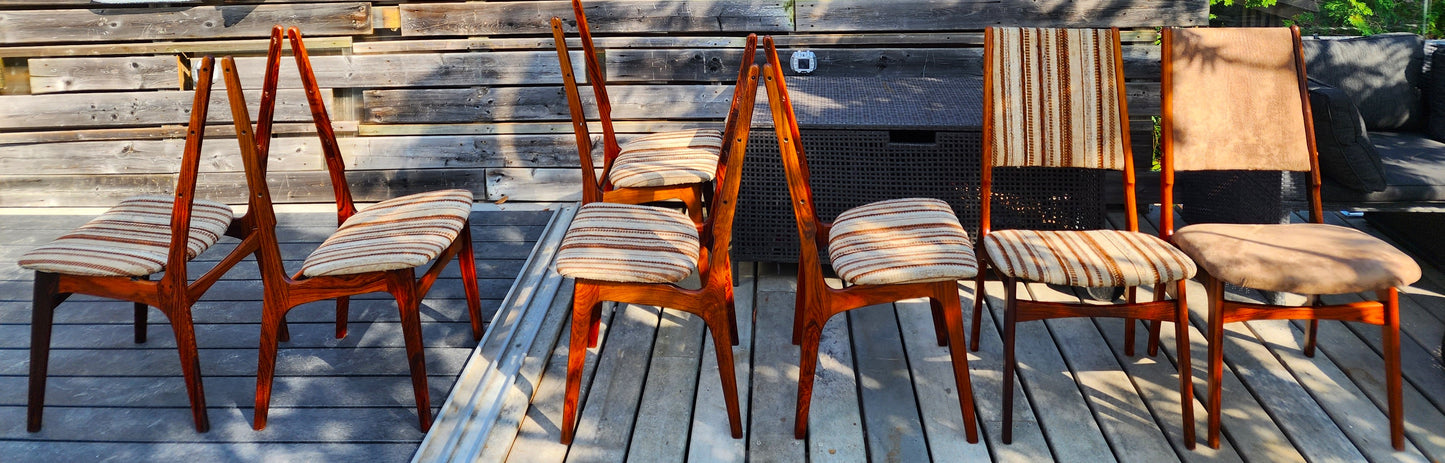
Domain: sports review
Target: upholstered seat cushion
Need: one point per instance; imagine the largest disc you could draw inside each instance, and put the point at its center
(131, 239)
(1302, 258)
(668, 158)
(398, 233)
(629, 243)
(1092, 258)
(900, 241)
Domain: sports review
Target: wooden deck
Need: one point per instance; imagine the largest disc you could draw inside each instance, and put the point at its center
(884, 390)
(335, 400)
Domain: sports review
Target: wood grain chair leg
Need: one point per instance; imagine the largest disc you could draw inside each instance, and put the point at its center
(1010, 316)
(952, 308)
(1311, 328)
(726, 371)
(343, 312)
(732, 311)
(1129, 325)
(1186, 366)
(1155, 325)
(142, 318)
(467, 260)
(1215, 336)
(272, 323)
(1391, 338)
(594, 324)
(978, 297)
(185, 332)
(800, 299)
(584, 299)
(402, 285)
(41, 319)
(284, 333)
(940, 326)
(807, 368)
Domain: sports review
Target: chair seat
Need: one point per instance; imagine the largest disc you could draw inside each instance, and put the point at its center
(901, 241)
(131, 239)
(667, 158)
(1305, 258)
(629, 244)
(1090, 258)
(398, 233)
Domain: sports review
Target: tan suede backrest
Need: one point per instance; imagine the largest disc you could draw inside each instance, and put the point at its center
(1235, 100)
(1055, 98)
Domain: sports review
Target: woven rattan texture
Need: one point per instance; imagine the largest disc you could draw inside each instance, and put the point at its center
(1234, 196)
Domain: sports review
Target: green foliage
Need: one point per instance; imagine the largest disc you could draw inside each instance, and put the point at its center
(1247, 3)
(1369, 17)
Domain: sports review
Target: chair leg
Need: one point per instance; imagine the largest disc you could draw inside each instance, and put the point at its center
(402, 285)
(584, 300)
(1129, 325)
(594, 324)
(694, 206)
(1010, 317)
(730, 300)
(343, 312)
(726, 372)
(1186, 366)
(1155, 325)
(807, 368)
(1310, 333)
(940, 325)
(800, 300)
(41, 319)
(142, 315)
(1215, 337)
(468, 262)
(185, 333)
(978, 296)
(1391, 332)
(273, 324)
(952, 308)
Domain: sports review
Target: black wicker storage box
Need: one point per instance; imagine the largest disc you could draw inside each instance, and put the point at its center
(870, 139)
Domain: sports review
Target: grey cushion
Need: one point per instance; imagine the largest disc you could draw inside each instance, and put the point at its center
(1434, 95)
(1414, 171)
(1346, 155)
(1381, 73)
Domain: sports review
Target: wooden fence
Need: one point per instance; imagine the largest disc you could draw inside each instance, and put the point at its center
(461, 94)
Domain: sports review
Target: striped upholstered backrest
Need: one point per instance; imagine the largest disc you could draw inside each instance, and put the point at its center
(1055, 98)
(1233, 100)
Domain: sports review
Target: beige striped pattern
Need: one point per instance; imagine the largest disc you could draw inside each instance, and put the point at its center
(668, 158)
(1055, 98)
(131, 239)
(629, 243)
(398, 233)
(1087, 258)
(901, 241)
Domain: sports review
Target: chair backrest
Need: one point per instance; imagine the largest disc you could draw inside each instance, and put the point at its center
(186, 185)
(598, 81)
(1235, 99)
(591, 191)
(1054, 98)
(718, 229)
(795, 163)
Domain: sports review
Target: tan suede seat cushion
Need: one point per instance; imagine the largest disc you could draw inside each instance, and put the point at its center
(901, 241)
(1093, 258)
(668, 158)
(629, 244)
(1302, 258)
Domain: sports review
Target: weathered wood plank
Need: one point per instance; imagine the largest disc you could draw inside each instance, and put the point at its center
(711, 439)
(835, 419)
(512, 104)
(889, 408)
(664, 414)
(775, 373)
(336, 425)
(162, 132)
(236, 336)
(52, 75)
(418, 70)
(534, 184)
(609, 411)
(934, 385)
(530, 380)
(72, 111)
(622, 127)
(95, 25)
(293, 154)
(237, 362)
(107, 190)
(223, 391)
(897, 39)
(1029, 443)
(539, 438)
(605, 16)
(41, 452)
(217, 47)
(921, 15)
(364, 310)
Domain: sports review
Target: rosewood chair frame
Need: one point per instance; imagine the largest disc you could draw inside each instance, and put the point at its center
(1016, 310)
(817, 302)
(174, 294)
(1383, 312)
(693, 195)
(282, 293)
(713, 302)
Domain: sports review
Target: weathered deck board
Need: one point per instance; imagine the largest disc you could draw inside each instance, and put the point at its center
(835, 421)
(95, 25)
(605, 16)
(775, 373)
(895, 431)
(711, 440)
(934, 384)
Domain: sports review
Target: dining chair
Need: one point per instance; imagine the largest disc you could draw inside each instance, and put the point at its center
(671, 165)
(637, 254)
(1236, 99)
(115, 254)
(1054, 98)
(374, 249)
(884, 251)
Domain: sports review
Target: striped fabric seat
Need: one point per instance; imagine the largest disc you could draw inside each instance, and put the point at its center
(398, 233)
(901, 241)
(629, 244)
(131, 239)
(1093, 258)
(668, 158)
